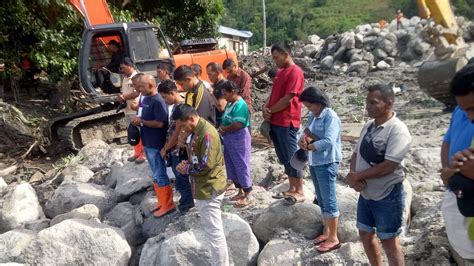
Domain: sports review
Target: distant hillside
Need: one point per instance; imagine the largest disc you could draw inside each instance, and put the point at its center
(295, 19)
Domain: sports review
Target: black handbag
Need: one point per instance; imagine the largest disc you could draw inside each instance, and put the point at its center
(368, 151)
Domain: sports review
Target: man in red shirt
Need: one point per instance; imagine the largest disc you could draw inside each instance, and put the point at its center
(283, 110)
(241, 78)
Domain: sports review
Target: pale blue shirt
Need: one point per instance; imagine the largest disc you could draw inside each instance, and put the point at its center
(327, 127)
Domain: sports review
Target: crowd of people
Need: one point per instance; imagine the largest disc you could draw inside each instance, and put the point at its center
(203, 132)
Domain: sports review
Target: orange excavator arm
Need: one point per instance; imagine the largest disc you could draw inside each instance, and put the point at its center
(93, 12)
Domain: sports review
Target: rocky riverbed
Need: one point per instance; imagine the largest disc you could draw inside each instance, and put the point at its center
(94, 208)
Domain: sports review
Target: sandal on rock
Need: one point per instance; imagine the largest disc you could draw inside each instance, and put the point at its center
(279, 195)
(320, 239)
(243, 203)
(237, 197)
(230, 192)
(324, 247)
(292, 200)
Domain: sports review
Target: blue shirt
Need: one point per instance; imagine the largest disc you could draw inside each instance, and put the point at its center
(154, 108)
(327, 127)
(460, 132)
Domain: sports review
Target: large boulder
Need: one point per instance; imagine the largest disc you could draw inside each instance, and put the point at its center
(85, 212)
(348, 254)
(97, 155)
(37, 225)
(128, 218)
(358, 40)
(314, 39)
(280, 252)
(364, 29)
(304, 218)
(192, 247)
(19, 206)
(348, 40)
(77, 173)
(77, 242)
(310, 50)
(13, 242)
(327, 63)
(73, 195)
(380, 54)
(347, 203)
(130, 178)
(382, 65)
(360, 67)
(3, 186)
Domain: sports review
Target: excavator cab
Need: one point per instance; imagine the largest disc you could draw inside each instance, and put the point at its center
(99, 73)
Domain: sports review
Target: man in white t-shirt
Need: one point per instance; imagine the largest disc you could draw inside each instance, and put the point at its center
(129, 95)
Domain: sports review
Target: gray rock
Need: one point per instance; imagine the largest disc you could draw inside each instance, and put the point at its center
(373, 32)
(280, 252)
(414, 20)
(73, 195)
(19, 206)
(77, 173)
(152, 226)
(37, 225)
(420, 47)
(360, 67)
(3, 186)
(13, 242)
(408, 199)
(314, 39)
(192, 248)
(370, 41)
(77, 242)
(304, 218)
(339, 53)
(347, 203)
(382, 65)
(128, 218)
(386, 45)
(148, 203)
(131, 178)
(348, 40)
(356, 57)
(358, 40)
(327, 63)
(95, 155)
(349, 254)
(408, 55)
(310, 50)
(363, 28)
(85, 212)
(380, 54)
(390, 61)
(391, 37)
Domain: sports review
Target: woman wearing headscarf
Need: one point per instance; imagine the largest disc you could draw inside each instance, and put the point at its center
(237, 143)
(322, 140)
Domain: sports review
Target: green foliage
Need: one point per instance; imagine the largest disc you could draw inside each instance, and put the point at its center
(289, 20)
(50, 31)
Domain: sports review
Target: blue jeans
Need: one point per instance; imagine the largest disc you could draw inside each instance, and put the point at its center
(158, 167)
(182, 184)
(383, 216)
(285, 141)
(324, 180)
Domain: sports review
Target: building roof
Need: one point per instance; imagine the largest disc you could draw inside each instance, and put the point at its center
(234, 32)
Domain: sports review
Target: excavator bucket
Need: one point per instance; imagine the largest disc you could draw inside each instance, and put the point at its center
(93, 12)
(434, 77)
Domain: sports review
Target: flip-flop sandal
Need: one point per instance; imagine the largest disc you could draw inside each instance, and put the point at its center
(244, 203)
(292, 200)
(279, 195)
(237, 197)
(230, 192)
(323, 249)
(320, 239)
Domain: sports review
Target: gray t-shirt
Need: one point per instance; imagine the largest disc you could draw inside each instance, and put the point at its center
(393, 137)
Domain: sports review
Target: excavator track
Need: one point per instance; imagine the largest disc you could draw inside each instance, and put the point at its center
(78, 132)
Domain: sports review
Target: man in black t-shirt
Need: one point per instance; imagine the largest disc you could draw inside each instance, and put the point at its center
(215, 74)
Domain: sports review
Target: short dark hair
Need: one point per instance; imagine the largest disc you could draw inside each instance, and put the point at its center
(228, 63)
(197, 69)
(128, 62)
(215, 67)
(230, 86)
(115, 43)
(167, 86)
(463, 82)
(137, 76)
(281, 48)
(182, 72)
(165, 66)
(183, 112)
(385, 90)
(314, 95)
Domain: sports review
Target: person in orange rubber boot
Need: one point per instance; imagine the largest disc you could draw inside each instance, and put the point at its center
(154, 124)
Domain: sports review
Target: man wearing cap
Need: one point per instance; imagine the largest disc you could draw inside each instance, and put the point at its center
(376, 172)
(457, 159)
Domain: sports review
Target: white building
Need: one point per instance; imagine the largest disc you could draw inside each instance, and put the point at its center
(237, 40)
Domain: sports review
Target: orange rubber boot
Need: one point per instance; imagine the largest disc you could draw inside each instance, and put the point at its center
(166, 199)
(139, 153)
(158, 204)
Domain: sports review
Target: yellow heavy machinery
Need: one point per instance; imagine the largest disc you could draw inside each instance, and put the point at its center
(450, 50)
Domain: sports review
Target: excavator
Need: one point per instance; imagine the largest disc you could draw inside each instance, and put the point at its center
(146, 46)
(451, 53)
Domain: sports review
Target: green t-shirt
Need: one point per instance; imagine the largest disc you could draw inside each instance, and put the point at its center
(237, 111)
